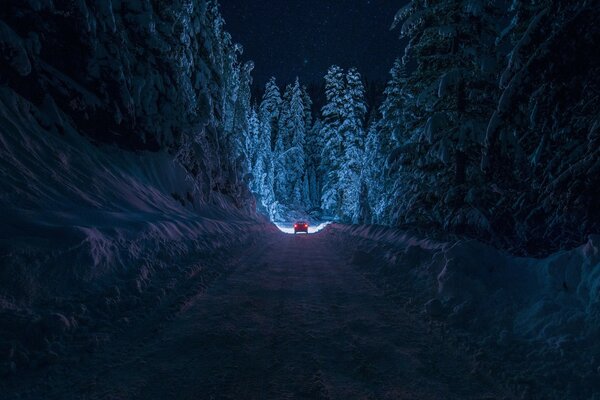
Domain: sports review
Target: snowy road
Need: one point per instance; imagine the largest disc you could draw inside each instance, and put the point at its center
(293, 319)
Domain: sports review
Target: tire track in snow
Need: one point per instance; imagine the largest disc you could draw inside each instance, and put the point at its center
(292, 320)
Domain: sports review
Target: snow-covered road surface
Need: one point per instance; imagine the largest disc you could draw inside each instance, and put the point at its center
(312, 228)
(292, 319)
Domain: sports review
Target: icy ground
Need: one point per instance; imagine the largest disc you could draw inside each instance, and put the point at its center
(342, 314)
(291, 317)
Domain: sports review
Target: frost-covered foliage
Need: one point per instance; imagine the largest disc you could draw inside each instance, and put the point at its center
(331, 154)
(342, 155)
(123, 129)
(142, 74)
(543, 138)
(314, 148)
(353, 135)
(288, 177)
(435, 116)
(294, 126)
(373, 177)
(317, 165)
(492, 130)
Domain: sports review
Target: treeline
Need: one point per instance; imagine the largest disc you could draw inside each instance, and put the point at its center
(493, 129)
(301, 163)
(280, 150)
(146, 76)
(489, 128)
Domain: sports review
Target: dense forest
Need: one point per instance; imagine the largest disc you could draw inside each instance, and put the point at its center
(150, 76)
(149, 188)
(488, 128)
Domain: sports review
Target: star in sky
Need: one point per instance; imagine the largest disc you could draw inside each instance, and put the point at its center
(304, 38)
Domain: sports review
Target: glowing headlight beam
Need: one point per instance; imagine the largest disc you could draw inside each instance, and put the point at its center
(289, 228)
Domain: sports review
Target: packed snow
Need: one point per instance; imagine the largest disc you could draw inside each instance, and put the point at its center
(137, 179)
(534, 321)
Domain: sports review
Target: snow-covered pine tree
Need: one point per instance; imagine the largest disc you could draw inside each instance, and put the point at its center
(395, 108)
(295, 156)
(373, 173)
(452, 86)
(263, 171)
(204, 92)
(251, 142)
(307, 102)
(270, 108)
(332, 154)
(241, 116)
(363, 213)
(270, 202)
(309, 169)
(352, 133)
(399, 151)
(280, 183)
(313, 149)
(284, 116)
(542, 145)
(267, 157)
(282, 144)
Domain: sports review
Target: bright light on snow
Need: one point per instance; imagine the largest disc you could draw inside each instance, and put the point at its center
(289, 227)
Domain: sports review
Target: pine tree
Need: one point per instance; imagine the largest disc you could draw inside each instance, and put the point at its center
(251, 142)
(541, 148)
(373, 173)
(270, 108)
(280, 183)
(307, 102)
(395, 108)
(313, 149)
(451, 87)
(269, 197)
(241, 116)
(332, 154)
(352, 133)
(295, 126)
(363, 213)
(284, 116)
(267, 158)
(263, 171)
(399, 148)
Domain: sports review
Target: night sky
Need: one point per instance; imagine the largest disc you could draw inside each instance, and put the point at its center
(303, 38)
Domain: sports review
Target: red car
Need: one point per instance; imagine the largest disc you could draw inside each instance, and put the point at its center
(300, 226)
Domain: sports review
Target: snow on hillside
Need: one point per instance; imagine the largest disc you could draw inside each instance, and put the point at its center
(536, 321)
(90, 233)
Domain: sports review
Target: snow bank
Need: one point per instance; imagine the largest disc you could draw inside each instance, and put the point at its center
(542, 294)
(552, 299)
(546, 310)
(76, 212)
(94, 235)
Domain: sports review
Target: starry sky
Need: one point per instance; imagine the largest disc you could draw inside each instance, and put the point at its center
(289, 38)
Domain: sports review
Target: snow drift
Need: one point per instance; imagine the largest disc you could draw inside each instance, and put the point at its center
(535, 320)
(119, 182)
(92, 235)
(66, 201)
